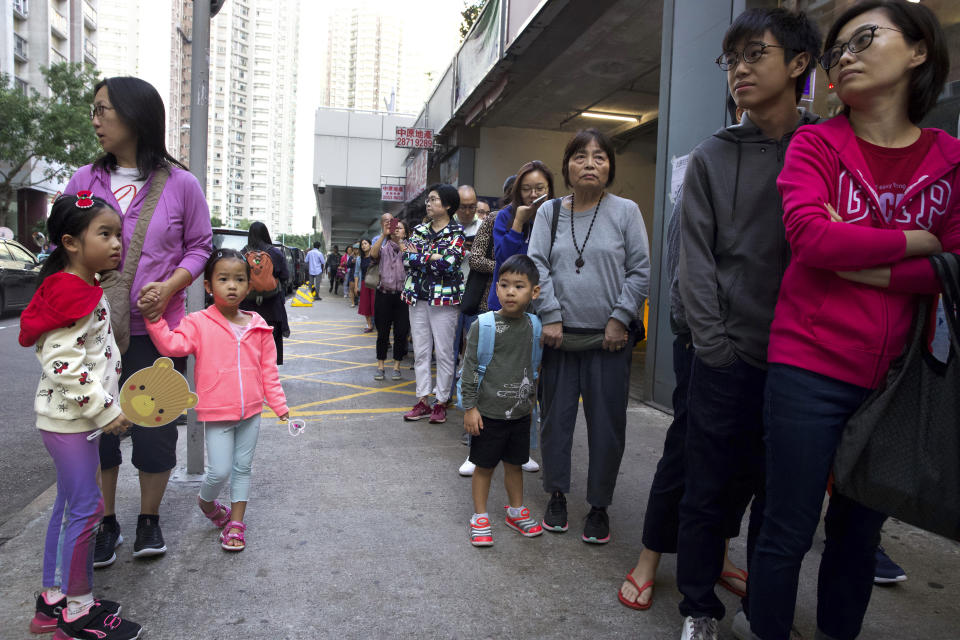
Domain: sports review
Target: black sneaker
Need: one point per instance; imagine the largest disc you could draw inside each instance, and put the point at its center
(46, 615)
(108, 539)
(596, 530)
(149, 540)
(555, 515)
(98, 624)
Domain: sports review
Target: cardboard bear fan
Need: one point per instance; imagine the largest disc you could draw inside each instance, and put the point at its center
(156, 395)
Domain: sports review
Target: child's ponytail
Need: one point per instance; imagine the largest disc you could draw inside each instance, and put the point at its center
(70, 216)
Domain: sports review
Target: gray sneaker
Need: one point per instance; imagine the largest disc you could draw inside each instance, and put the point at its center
(699, 628)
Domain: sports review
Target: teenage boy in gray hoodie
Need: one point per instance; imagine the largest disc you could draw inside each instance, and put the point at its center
(733, 253)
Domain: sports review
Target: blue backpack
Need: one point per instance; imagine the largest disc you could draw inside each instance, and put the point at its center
(485, 340)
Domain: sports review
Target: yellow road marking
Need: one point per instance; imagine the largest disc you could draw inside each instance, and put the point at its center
(336, 412)
(353, 395)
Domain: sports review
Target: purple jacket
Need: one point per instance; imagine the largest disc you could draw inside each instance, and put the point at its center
(179, 234)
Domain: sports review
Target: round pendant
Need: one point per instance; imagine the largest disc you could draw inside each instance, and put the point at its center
(579, 264)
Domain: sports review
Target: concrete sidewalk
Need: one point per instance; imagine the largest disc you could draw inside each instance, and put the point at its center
(358, 529)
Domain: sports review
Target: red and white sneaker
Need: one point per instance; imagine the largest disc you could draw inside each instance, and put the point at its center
(439, 413)
(480, 533)
(524, 524)
(420, 411)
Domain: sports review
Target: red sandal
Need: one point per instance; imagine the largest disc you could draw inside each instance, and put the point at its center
(738, 574)
(636, 605)
(220, 514)
(228, 534)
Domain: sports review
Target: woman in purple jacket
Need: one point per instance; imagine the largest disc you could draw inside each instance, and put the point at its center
(128, 119)
(511, 229)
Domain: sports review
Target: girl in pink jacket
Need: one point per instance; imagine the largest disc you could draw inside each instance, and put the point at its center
(236, 371)
(867, 197)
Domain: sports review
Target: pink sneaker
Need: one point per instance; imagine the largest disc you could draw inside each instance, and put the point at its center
(420, 411)
(439, 413)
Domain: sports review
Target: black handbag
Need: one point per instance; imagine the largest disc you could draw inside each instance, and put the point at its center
(900, 452)
(475, 287)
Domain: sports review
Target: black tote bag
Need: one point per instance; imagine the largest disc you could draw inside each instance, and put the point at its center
(900, 452)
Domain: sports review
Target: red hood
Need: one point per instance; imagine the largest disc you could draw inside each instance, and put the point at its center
(61, 300)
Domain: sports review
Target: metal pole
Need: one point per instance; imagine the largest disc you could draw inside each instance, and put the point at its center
(199, 103)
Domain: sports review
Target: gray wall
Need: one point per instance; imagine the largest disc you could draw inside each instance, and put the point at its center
(693, 93)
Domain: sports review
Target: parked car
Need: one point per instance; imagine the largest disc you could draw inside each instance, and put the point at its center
(18, 275)
(302, 276)
(229, 239)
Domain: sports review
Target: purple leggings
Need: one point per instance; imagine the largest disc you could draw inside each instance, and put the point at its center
(68, 551)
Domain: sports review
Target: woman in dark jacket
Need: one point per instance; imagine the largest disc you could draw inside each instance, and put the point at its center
(271, 309)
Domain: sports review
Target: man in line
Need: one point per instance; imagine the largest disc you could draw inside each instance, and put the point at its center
(315, 265)
(733, 253)
(466, 216)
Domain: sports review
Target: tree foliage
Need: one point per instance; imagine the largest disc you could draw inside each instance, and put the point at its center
(470, 13)
(44, 138)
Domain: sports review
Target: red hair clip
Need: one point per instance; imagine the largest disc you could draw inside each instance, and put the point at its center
(84, 199)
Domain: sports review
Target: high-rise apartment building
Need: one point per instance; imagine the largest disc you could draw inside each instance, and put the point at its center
(253, 78)
(370, 64)
(38, 33)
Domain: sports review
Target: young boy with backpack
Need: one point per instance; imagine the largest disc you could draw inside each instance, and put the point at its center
(497, 391)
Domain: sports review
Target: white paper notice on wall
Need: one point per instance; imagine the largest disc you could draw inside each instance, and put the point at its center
(676, 177)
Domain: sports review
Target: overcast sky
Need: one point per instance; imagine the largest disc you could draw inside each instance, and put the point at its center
(437, 23)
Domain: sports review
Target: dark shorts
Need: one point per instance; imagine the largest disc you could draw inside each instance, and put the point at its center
(506, 440)
(154, 448)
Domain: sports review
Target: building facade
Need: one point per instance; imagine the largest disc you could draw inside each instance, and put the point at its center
(253, 77)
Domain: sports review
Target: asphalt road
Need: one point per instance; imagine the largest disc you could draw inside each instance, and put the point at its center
(26, 469)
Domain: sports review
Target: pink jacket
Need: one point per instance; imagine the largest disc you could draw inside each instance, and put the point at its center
(232, 377)
(823, 323)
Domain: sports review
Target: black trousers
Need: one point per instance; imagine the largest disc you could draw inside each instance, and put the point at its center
(662, 520)
(724, 470)
(389, 309)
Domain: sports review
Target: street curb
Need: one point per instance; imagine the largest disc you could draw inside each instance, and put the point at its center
(14, 526)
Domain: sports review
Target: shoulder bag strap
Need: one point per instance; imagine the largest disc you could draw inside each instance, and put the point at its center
(553, 225)
(947, 268)
(132, 258)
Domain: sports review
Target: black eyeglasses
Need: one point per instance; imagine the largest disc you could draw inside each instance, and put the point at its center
(96, 111)
(860, 41)
(750, 54)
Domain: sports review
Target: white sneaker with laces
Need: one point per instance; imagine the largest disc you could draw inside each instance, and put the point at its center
(530, 465)
(699, 628)
(466, 469)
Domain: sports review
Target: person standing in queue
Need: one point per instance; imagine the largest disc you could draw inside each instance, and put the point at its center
(128, 118)
(433, 289)
(316, 264)
(594, 277)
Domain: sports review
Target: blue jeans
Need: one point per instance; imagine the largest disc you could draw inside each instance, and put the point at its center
(230, 448)
(724, 470)
(805, 414)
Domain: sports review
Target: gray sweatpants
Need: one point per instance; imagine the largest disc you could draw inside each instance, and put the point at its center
(602, 378)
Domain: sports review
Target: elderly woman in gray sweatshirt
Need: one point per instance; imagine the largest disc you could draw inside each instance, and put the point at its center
(594, 275)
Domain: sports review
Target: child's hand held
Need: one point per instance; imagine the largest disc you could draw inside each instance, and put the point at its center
(119, 425)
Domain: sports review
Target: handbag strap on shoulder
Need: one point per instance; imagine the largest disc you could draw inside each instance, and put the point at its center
(132, 258)
(947, 268)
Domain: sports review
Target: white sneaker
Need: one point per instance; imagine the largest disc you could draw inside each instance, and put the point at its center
(466, 469)
(741, 626)
(530, 465)
(699, 628)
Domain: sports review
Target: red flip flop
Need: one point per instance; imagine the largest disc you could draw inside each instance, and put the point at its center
(724, 582)
(635, 605)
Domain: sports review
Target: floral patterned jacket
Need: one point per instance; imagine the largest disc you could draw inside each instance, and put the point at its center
(439, 282)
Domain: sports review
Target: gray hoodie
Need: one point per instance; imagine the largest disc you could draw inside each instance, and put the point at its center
(733, 250)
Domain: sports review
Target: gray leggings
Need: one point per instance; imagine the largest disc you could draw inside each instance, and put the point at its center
(230, 447)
